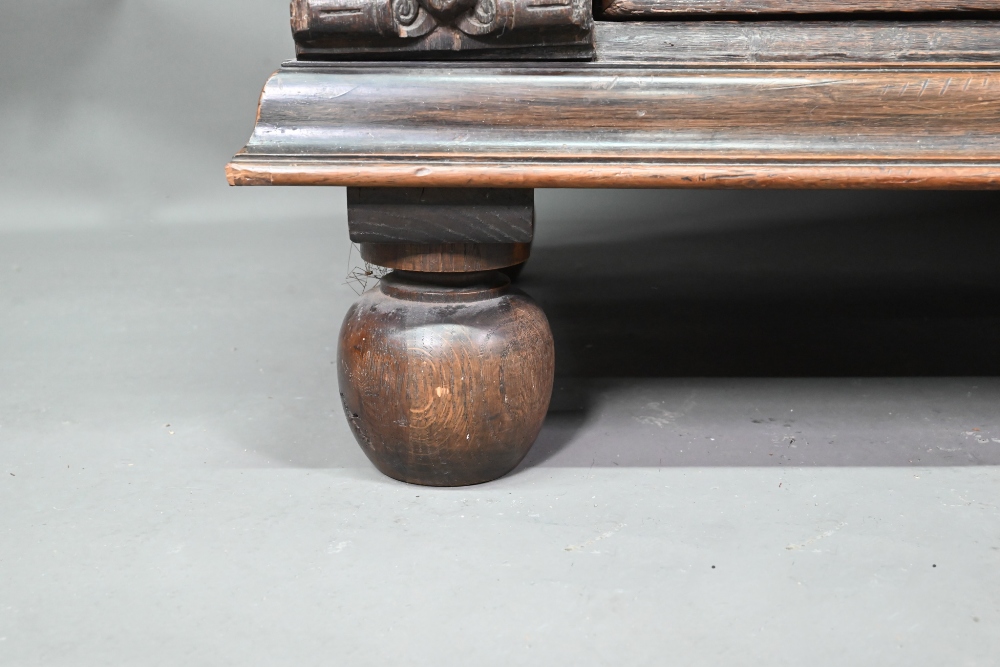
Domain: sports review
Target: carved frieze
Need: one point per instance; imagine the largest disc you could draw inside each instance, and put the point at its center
(331, 29)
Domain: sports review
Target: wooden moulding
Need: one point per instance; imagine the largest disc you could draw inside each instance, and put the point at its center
(686, 175)
(435, 29)
(446, 257)
(626, 125)
(635, 9)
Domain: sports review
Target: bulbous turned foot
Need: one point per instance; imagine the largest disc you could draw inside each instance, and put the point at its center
(446, 379)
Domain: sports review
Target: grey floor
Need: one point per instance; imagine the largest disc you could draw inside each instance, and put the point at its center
(774, 440)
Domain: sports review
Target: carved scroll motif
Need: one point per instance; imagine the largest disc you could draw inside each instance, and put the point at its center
(499, 20)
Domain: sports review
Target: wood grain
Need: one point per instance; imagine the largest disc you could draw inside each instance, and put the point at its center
(634, 9)
(448, 384)
(625, 126)
(440, 215)
(583, 174)
(446, 257)
(958, 44)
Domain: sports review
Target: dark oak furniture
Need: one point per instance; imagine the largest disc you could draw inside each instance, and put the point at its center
(441, 116)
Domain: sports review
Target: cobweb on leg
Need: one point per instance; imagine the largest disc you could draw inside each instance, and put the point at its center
(362, 276)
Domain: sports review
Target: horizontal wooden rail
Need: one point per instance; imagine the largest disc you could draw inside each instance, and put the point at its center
(616, 123)
(635, 9)
(960, 44)
(539, 174)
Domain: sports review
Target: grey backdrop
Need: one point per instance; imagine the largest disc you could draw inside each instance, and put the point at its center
(758, 450)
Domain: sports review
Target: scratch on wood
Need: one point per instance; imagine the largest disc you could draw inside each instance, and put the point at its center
(814, 84)
(346, 92)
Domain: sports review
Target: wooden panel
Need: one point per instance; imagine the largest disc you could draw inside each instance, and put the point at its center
(801, 43)
(633, 9)
(393, 29)
(440, 215)
(604, 126)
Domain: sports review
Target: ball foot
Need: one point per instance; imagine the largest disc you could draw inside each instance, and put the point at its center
(445, 378)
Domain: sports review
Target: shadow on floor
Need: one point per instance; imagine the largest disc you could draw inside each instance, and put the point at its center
(909, 290)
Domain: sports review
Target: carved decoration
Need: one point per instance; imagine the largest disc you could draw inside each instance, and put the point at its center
(332, 28)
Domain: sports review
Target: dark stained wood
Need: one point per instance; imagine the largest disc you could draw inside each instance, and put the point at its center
(445, 384)
(445, 257)
(440, 215)
(798, 44)
(634, 9)
(583, 125)
(432, 29)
